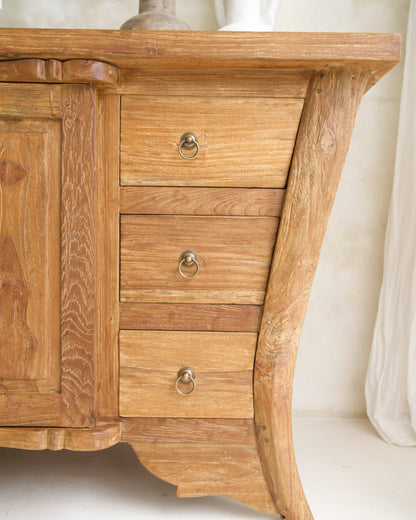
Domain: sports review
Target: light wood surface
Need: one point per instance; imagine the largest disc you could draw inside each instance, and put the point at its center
(188, 316)
(78, 254)
(23, 70)
(163, 445)
(222, 82)
(37, 101)
(29, 253)
(107, 255)
(89, 71)
(234, 256)
(49, 255)
(322, 144)
(243, 142)
(223, 366)
(201, 201)
(244, 95)
(53, 70)
(102, 436)
(378, 53)
(71, 71)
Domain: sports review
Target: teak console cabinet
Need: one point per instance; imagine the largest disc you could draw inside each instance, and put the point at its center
(164, 197)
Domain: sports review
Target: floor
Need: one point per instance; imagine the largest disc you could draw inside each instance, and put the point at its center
(347, 472)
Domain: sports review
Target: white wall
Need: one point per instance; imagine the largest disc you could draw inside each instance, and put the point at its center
(338, 329)
(337, 334)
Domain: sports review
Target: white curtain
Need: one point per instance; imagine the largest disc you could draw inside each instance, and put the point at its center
(391, 377)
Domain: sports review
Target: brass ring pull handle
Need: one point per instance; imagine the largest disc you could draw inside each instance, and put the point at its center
(188, 259)
(185, 376)
(189, 141)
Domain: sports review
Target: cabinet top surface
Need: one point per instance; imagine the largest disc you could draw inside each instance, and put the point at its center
(130, 49)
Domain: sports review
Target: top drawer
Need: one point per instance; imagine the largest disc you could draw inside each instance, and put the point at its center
(246, 142)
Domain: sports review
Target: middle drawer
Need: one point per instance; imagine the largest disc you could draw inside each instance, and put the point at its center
(233, 258)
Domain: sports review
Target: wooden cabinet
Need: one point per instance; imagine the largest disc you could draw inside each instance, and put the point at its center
(164, 197)
(47, 255)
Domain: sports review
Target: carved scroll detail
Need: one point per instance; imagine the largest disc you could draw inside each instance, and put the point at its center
(54, 71)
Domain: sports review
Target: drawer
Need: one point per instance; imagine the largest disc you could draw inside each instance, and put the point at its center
(223, 374)
(233, 255)
(245, 142)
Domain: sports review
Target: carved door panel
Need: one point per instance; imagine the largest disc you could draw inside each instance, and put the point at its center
(47, 255)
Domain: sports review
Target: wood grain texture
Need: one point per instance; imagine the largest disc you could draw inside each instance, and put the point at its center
(53, 70)
(149, 200)
(244, 142)
(29, 262)
(222, 362)
(221, 457)
(188, 316)
(51, 225)
(216, 83)
(36, 101)
(89, 71)
(29, 253)
(102, 436)
(107, 255)
(23, 70)
(30, 407)
(321, 148)
(234, 255)
(378, 53)
(78, 254)
(71, 71)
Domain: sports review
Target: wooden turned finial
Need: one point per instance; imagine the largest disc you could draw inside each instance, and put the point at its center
(155, 15)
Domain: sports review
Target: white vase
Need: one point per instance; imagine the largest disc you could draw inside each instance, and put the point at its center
(245, 15)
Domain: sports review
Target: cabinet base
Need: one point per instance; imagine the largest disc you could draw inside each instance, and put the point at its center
(76, 439)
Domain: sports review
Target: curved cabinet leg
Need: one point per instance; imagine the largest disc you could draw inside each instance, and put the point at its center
(202, 457)
(323, 139)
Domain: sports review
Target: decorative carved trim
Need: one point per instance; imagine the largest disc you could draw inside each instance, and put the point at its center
(77, 439)
(54, 71)
(88, 71)
(202, 457)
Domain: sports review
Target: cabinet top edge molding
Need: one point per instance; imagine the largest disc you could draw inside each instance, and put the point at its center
(211, 49)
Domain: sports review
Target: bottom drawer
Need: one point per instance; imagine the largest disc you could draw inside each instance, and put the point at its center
(222, 364)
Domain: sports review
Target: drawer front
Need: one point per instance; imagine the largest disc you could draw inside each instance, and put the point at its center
(242, 141)
(222, 364)
(233, 254)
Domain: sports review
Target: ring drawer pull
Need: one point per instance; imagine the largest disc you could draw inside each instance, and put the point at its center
(189, 141)
(185, 376)
(188, 259)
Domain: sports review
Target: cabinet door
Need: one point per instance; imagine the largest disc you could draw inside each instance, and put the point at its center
(47, 255)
